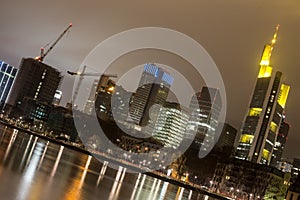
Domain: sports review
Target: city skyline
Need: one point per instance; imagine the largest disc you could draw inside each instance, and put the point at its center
(266, 111)
(248, 34)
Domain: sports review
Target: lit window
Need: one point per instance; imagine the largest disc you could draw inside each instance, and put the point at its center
(265, 154)
(246, 138)
(273, 127)
(255, 111)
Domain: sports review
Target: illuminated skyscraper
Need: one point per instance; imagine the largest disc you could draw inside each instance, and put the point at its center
(90, 104)
(153, 89)
(7, 77)
(265, 112)
(205, 108)
(171, 124)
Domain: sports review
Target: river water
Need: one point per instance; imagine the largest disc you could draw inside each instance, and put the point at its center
(33, 168)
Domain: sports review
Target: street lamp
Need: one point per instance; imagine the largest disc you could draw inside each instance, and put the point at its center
(211, 182)
(169, 172)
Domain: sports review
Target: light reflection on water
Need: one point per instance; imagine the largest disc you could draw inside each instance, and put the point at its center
(32, 168)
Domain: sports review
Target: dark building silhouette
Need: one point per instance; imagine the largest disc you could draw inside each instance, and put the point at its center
(294, 190)
(280, 143)
(204, 168)
(60, 122)
(227, 139)
(205, 108)
(37, 82)
(296, 169)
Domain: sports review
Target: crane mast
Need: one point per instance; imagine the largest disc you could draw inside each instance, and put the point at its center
(43, 54)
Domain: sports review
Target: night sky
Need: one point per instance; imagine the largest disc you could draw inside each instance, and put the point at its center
(233, 32)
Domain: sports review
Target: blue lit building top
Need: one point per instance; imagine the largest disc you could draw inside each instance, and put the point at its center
(167, 78)
(151, 69)
(158, 73)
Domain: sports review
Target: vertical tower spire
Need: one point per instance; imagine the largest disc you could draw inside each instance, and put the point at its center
(275, 35)
(266, 69)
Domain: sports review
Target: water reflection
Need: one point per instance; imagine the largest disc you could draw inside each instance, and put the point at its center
(102, 172)
(28, 176)
(163, 191)
(33, 168)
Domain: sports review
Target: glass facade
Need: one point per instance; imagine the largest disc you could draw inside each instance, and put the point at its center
(153, 89)
(7, 77)
(171, 125)
(205, 108)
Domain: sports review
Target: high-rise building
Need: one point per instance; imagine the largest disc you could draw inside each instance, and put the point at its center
(120, 104)
(112, 102)
(7, 77)
(296, 169)
(35, 80)
(103, 100)
(153, 89)
(265, 112)
(205, 108)
(227, 138)
(57, 97)
(170, 125)
(90, 104)
(280, 143)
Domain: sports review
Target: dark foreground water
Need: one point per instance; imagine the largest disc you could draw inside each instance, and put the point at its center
(32, 168)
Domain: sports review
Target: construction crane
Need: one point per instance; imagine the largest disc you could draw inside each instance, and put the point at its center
(82, 74)
(43, 53)
(91, 74)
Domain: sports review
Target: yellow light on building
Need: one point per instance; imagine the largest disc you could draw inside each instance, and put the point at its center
(273, 127)
(266, 56)
(254, 111)
(283, 95)
(265, 154)
(111, 89)
(246, 138)
(265, 71)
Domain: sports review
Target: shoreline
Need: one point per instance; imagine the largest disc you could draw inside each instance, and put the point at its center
(116, 162)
